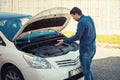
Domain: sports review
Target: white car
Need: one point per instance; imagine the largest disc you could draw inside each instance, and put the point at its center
(28, 51)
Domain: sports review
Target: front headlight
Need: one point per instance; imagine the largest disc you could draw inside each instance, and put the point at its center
(37, 62)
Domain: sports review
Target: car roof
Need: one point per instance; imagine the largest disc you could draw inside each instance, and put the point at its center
(8, 15)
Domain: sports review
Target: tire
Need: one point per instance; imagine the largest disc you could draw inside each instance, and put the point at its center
(11, 73)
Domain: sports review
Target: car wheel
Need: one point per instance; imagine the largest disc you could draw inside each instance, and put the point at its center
(11, 73)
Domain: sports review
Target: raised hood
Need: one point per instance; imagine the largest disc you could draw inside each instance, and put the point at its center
(51, 19)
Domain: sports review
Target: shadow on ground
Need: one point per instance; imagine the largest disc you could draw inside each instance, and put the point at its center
(106, 68)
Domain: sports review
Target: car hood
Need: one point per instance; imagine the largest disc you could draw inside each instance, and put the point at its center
(51, 19)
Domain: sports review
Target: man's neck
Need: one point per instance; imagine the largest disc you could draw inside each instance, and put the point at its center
(79, 18)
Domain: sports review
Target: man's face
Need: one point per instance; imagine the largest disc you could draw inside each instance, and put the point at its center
(75, 16)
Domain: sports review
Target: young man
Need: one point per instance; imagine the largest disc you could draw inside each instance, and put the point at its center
(86, 34)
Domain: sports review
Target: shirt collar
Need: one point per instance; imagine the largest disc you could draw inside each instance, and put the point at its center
(81, 17)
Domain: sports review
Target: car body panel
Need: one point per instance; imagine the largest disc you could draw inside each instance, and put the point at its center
(45, 17)
(10, 54)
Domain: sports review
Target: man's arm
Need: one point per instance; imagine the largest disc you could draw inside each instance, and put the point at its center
(78, 34)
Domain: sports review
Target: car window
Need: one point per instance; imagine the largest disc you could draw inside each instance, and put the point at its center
(2, 23)
(9, 27)
(2, 42)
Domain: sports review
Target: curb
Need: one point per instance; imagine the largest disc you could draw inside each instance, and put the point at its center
(107, 45)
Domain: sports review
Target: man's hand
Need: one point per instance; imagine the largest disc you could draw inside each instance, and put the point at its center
(59, 42)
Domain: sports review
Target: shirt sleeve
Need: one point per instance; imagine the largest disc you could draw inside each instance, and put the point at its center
(79, 32)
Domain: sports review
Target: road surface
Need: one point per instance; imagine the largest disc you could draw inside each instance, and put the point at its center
(106, 64)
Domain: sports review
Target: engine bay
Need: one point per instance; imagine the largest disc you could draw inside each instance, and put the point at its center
(45, 46)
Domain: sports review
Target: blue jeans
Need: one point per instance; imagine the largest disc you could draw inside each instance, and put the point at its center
(86, 59)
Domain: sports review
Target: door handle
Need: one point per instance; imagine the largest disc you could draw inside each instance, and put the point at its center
(0, 55)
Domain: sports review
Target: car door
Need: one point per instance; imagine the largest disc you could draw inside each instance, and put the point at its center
(2, 47)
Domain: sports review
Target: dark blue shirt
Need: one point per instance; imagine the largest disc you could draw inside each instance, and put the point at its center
(86, 34)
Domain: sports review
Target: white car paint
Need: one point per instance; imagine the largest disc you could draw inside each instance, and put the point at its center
(10, 54)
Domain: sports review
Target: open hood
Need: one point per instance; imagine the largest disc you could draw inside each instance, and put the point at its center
(51, 19)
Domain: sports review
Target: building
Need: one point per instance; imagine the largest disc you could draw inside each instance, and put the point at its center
(106, 13)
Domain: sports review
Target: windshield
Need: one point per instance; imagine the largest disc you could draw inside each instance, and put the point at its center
(39, 37)
(44, 33)
(10, 27)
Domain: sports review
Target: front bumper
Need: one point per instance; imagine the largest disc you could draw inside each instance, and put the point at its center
(76, 77)
(49, 74)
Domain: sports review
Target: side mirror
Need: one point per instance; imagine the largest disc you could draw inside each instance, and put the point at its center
(2, 42)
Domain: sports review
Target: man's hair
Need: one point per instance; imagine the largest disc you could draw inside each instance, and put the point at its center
(76, 10)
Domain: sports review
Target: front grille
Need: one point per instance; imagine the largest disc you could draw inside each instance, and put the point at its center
(68, 62)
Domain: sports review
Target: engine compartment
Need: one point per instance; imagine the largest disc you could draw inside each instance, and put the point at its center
(51, 50)
(45, 47)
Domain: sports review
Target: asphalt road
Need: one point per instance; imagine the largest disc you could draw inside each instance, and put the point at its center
(106, 64)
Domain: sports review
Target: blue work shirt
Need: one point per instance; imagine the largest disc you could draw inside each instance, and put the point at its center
(85, 33)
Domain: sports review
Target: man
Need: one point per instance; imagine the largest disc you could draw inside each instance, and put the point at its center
(86, 34)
